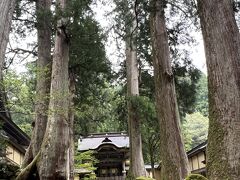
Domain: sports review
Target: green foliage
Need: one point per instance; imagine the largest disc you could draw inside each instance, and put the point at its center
(88, 60)
(87, 161)
(90, 176)
(195, 177)
(8, 170)
(149, 128)
(195, 130)
(90, 68)
(100, 107)
(186, 75)
(186, 80)
(101, 112)
(21, 95)
(202, 96)
(88, 64)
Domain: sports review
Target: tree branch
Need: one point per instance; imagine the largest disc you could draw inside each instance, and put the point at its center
(24, 51)
(179, 8)
(22, 20)
(136, 16)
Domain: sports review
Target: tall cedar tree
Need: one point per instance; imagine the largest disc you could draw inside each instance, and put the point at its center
(53, 159)
(222, 49)
(173, 156)
(55, 155)
(136, 156)
(43, 79)
(6, 13)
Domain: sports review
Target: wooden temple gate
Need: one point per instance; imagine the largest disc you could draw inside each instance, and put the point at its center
(112, 152)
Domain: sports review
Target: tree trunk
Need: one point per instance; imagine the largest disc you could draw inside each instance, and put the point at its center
(152, 164)
(7, 8)
(72, 89)
(43, 72)
(55, 157)
(6, 12)
(222, 50)
(136, 158)
(174, 164)
(43, 78)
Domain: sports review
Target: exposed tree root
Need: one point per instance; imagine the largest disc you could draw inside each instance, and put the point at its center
(27, 171)
(28, 158)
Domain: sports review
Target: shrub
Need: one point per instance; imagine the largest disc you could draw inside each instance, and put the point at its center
(195, 177)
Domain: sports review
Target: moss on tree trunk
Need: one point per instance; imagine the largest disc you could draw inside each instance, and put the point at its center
(174, 164)
(136, 157)
(6, 13)
(43, 79)
(222, 50)
(54, 160)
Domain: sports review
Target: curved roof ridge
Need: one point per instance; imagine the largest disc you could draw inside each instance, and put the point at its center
(93, 142)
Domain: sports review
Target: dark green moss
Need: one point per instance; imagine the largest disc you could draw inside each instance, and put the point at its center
(195, 177)
(217, 166)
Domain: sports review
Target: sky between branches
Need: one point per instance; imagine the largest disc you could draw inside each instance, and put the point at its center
(116, 56)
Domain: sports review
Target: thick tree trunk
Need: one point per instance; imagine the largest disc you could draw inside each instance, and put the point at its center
(7, 8)
(136, 158)
(55, 157)
(43, 78)
(222, 49)
(174, 164)
(6, 12)
(43, 73)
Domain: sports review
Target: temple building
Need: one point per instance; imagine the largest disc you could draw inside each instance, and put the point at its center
(13, 146)
(112, 152)
(197, 159)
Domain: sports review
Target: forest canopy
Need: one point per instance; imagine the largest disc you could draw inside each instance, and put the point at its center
(69, 68)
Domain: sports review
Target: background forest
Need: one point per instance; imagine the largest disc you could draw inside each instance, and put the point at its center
(69, 71)
(101, 94)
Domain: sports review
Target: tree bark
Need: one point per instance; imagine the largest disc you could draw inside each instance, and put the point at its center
(136, 157)
(43, 73)
(43, 78)
(6, 13)
(72, 89)
(55, 157)
(152, 165)
(7, 8)
(222, 50)
(174, 164)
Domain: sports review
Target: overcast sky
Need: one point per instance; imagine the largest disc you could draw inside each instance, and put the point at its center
(100, 10)
(111, 49)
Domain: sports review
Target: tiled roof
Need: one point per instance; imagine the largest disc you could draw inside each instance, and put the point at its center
(13, 131)
(93, 141)
(200, 147)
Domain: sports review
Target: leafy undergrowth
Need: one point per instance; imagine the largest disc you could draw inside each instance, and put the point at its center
(195, 177)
